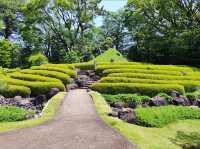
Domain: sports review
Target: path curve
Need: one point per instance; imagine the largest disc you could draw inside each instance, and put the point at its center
(77, 126)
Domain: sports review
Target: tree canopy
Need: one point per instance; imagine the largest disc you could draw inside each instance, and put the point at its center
(158, 31)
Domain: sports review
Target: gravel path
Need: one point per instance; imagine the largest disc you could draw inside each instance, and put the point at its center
(77, 126)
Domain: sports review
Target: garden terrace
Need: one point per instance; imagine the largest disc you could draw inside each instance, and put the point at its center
(36, 87)
(13, 90)
(143, 89)
(65, 78)
(32, 77)
(130, 73)
(67, 71)
(189, 85)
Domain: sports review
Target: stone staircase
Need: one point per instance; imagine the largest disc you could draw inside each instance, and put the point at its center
(86, 78)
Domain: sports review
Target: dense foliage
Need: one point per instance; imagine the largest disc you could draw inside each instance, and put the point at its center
(12, 114)
(165, 31)
(161, 116)
(126, 98)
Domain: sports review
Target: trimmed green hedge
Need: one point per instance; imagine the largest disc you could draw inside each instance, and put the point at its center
(145, 71)
(36, 87)
(12, 114)
(189, 85)
(161, 116)
(14, 90)
(152, 76)
(70, 72)
(143, 89)
(119, 63)
(84, 66)
(148, 67)
(63, 66)
(53, 74)
(31, 77)
(126, 98)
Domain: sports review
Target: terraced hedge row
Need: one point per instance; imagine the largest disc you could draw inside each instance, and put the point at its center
(35, 87)
(154, 77)
(101, 68)
(145, 71)
(53, 74)
(67, 71)
(143, 89)
(13, 90)
(84, 66)
(32, 77)
(63, 66)
(189, 85)
(119, 63)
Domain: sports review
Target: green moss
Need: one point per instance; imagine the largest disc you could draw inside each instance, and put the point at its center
(48, 113)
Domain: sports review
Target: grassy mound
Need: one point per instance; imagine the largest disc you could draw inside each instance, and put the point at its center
(111, 55)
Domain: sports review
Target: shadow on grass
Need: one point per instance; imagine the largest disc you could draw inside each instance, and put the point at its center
(187, 140)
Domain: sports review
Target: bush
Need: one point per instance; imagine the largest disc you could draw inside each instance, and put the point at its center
(9, 56)
(31, 77)
(188, 84)
(148, 67)
(167, 97)
(152, 76)
(126, 98)
(161, 116)
(15, 90)
(37, 59)
(119, 63)
(63, 66)
(36, 87)
(53, 74)
(187, 140)
(145, 71)
(84, 66)
(191, 96)
(143, 89)
(72, 57)
(70, 72)
(3, 85)
(12, 114)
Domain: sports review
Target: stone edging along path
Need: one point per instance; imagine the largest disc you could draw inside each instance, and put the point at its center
(77, 126)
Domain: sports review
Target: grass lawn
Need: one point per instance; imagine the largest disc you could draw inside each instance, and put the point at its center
(48, 113)
(109, 55)
(146, 138)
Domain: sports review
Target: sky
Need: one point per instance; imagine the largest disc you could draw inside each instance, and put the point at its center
(110, 5)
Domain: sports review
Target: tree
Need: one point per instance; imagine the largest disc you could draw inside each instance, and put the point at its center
(8, 15)
(113, 27)
(60, 25)
(165, 31)
(9, 54)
